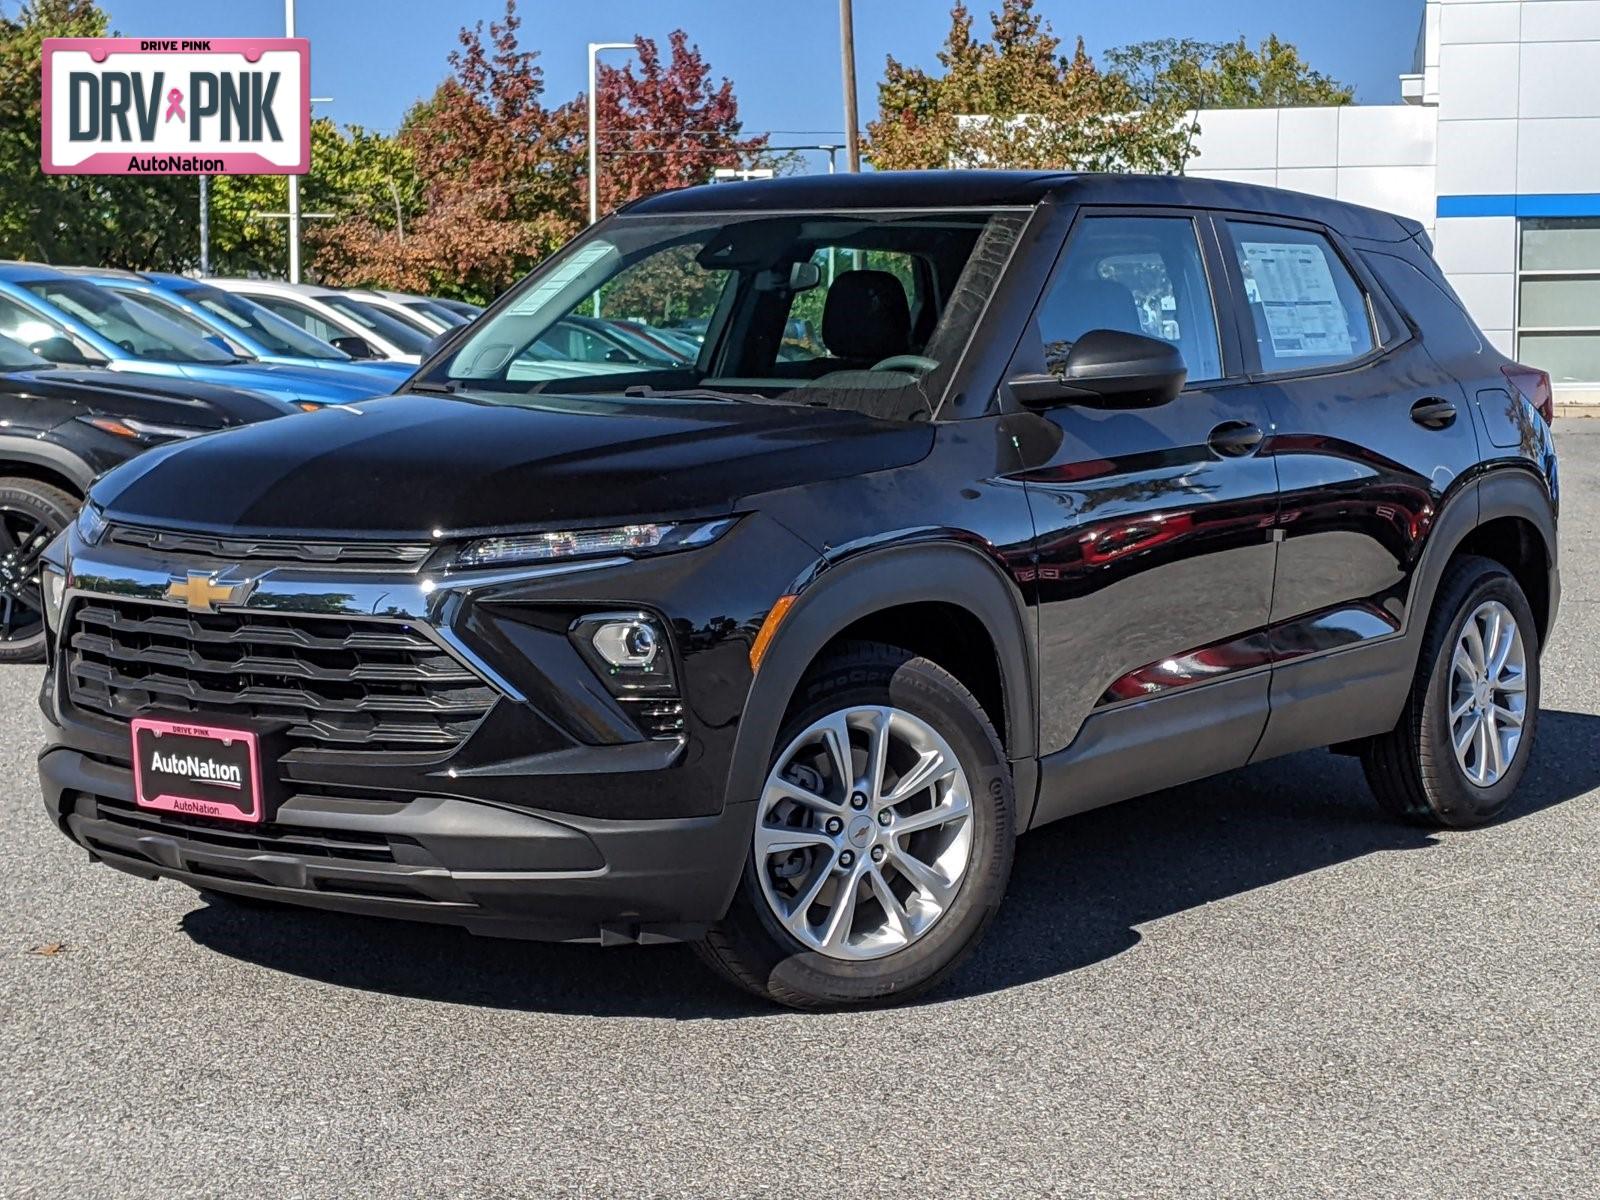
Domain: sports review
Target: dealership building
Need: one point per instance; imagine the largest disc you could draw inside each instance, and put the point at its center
(1495, 147)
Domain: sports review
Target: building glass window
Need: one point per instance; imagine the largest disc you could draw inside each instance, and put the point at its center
(1558, 298)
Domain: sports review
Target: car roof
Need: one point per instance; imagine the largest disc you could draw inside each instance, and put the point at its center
(103, 273)
(281, 286)
(1010, 189)
(19, 272)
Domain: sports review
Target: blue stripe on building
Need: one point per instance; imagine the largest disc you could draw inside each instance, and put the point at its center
(1552, 205)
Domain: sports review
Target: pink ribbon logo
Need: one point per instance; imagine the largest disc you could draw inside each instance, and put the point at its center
(175, 106)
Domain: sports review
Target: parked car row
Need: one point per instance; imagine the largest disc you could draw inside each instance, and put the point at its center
(98, 365)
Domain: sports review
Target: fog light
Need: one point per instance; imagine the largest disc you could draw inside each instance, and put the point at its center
(629, 645)
(630, 651)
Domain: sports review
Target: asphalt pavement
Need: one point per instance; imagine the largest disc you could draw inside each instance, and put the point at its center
(1254, 986)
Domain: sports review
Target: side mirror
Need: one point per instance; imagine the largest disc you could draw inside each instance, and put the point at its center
(62, 351)
(220, 343)
(1108, 368)
(355, 347)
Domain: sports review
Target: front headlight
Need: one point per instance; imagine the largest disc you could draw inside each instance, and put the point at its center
(626, 540)
(91, 524)
(53, 587)
(140, 431)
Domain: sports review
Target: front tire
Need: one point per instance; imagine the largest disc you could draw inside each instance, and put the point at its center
(31, 514)
(883, 838)
(1463, 743)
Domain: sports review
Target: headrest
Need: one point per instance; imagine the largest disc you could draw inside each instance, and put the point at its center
(866, 317)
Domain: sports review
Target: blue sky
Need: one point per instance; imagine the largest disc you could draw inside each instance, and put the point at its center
(375, 57)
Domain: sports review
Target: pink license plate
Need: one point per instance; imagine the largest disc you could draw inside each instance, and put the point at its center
(197, 770)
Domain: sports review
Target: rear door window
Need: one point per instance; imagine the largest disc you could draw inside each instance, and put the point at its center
(1306, 308)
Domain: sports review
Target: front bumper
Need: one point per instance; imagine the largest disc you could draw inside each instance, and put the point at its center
(490, 869)
(556, 818)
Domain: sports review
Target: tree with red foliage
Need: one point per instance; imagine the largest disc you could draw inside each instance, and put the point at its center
(501, 176)
(504, 176)
(665, 124)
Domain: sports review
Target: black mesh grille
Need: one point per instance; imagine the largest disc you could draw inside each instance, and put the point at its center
(337, 684)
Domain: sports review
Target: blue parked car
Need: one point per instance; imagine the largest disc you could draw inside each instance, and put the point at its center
(73, 323)
(247, 328)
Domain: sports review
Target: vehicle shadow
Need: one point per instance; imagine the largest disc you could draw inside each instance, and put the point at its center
(1079, 892)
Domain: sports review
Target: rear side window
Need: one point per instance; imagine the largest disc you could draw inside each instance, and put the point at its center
(1306, 308)
(1140, 275)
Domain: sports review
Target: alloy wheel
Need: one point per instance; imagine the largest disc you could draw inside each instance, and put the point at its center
(864, 832)
(1488, 693)
(23, 537)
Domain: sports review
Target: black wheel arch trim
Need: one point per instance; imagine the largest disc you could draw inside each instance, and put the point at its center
(47, 455)
(942, 571)
(1495, 494)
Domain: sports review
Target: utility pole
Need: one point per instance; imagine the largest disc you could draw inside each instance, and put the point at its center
(294, 180)
(847, 51)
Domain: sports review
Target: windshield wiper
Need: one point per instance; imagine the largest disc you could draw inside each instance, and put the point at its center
(448, 388)
(643, 391)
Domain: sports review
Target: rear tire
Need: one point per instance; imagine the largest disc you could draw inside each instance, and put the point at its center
(31, 514)
(1416, 771)
(941, 849)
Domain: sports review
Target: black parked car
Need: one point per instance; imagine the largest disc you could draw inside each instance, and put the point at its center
(1100, 485)
(61, 428)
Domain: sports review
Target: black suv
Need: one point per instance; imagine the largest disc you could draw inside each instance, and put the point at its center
(1088, 486)
(61, 428)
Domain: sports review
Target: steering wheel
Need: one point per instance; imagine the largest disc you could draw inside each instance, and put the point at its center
(903, 362)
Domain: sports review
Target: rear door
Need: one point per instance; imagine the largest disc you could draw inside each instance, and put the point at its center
(1371, 438)
(1154, 553)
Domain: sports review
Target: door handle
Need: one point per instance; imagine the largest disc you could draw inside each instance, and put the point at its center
(1235, 439)
(1434, 413)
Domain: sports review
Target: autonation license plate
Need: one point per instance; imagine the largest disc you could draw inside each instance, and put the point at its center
(197, 770)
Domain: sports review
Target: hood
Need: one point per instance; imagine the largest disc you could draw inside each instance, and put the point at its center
(412, 464)
(381, 373)
(292, 383)
(163, 400)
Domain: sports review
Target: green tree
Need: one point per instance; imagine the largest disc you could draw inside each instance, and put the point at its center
(1014, 100)
(1190, 74)
(140, 222)
(354, 174)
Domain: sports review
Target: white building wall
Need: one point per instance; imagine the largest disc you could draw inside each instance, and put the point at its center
(1503, 126)
(1380, 156)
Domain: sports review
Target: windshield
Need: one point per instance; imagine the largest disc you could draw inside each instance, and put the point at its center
(868, 311)
(408, 339)
(15, 357)
(161, 306)
(266, 329)
(137, 329)
(448, 317)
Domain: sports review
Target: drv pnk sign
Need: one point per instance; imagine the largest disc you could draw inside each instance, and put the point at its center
(171, 106)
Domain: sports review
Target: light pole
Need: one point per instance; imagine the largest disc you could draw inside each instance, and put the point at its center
(594, 122)
(294, 180)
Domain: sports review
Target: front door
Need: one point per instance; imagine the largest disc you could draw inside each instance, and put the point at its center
(1155, 526)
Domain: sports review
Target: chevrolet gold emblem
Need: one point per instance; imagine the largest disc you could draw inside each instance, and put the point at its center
(199, 592)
